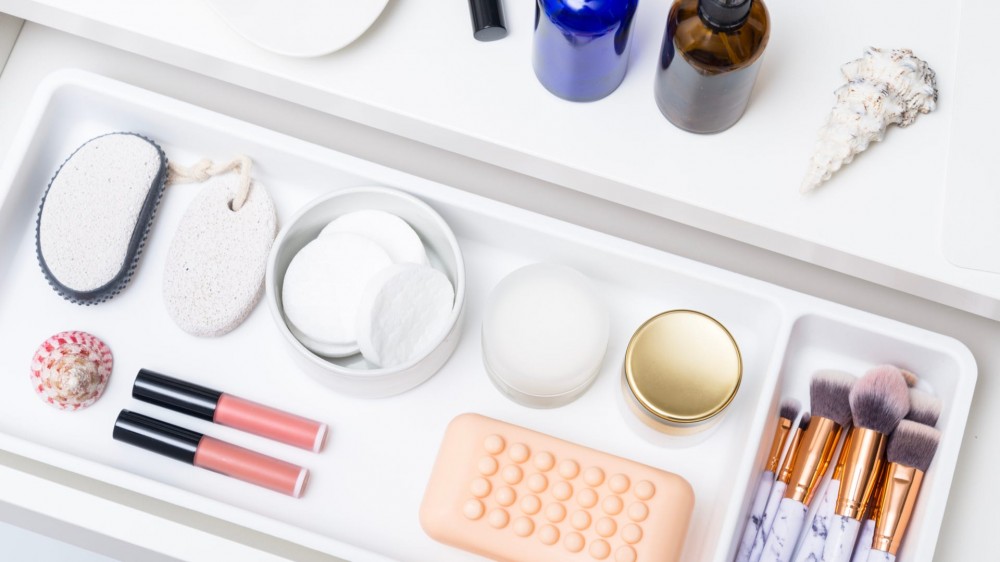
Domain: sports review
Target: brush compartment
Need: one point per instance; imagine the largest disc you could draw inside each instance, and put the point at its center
(372, 475)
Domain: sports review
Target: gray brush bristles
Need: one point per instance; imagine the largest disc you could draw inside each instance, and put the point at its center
(829, 394)
(790, 409)
(880, 399)
(913, 444)
(925, 408)
(911, 379)
(804, 420)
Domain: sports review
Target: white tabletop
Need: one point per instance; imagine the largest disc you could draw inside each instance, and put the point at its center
(419, 74)
(115, 519)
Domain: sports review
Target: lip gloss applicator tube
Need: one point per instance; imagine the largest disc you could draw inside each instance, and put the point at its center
(206, 452)
(226, 409)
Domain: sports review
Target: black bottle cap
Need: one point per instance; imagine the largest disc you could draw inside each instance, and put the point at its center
(174, 394)
(487, 20)
(724, 15)
(158, 436)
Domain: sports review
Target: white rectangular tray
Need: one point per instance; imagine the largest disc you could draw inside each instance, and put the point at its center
(367, 485)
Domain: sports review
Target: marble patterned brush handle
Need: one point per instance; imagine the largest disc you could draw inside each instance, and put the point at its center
(756, 516)
(788, 522)
(841, 539)
(879, 556)
(865, 539)
(815, 533)
(773, 501)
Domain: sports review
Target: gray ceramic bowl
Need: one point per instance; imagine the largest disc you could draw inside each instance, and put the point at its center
(352, 375)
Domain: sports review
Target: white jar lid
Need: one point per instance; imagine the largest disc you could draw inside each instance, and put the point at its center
(545, 333)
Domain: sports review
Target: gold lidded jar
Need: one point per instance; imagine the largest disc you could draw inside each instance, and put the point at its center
(682, 369)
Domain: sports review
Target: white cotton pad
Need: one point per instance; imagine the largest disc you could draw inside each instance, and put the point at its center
(322, 289)
(403, 312)
(214, 274)
(395, 236)
(545, 333)
(96, 213)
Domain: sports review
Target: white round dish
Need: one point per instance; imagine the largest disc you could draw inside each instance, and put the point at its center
(350, 375)
(299, 28)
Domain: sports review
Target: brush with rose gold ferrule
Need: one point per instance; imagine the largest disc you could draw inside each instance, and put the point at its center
(787, 413)
(911, 449)
(829, 395)
(925, 408)
(867, 533)
(814, 535)
(879, 401)
(778, 489)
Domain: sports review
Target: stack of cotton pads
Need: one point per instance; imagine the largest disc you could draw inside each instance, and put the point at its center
(365, 284)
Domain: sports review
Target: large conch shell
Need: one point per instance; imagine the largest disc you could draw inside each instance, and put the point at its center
(884, 87)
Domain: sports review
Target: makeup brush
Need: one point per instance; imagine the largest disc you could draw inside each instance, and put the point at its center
(910, 452)
(778, 489)
(788, 411)
(814, 535)
(879, 401)
(829, 393)
(871, 510)
(925, 408)
(909, 377)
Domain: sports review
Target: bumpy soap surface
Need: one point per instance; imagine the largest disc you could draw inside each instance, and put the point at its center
(96, 213)
(633, 512)
(214, 274)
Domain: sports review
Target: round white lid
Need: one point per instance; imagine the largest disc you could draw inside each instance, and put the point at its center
(545, 332)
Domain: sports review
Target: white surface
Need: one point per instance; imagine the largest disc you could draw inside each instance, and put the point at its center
(107, 516)
(971, 227)
(299, 28)
(19, 544)
(418, 73)
(783, 336)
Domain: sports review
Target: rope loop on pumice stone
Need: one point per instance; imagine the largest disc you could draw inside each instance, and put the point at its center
(205, 169)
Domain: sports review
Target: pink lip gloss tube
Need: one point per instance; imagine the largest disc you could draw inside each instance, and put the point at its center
(206, 452)
(226, 409)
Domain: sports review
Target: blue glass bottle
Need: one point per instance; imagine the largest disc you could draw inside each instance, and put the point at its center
(581, 46)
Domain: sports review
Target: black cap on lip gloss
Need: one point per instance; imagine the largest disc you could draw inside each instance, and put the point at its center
(157, 436)
(487, 20)
(174, 394)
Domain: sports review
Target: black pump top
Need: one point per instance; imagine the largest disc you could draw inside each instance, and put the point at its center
(724, 15)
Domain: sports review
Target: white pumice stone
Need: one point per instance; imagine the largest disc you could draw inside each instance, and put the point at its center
(323, 287)
(96, 213)
(395, 236)
(403, 312)
(214, 275)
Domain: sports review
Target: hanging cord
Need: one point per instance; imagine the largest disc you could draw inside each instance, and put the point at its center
(205, 168)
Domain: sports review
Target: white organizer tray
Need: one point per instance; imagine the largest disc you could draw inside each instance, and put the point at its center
(367, 485)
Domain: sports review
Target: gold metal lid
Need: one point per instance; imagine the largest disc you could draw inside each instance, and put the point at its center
(683, 367)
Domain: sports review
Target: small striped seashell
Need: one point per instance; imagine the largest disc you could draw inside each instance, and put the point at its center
(70, 370)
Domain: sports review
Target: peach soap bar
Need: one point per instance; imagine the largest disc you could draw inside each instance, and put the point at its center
(510, 493)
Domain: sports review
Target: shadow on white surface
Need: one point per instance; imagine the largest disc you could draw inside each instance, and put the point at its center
(27, 546)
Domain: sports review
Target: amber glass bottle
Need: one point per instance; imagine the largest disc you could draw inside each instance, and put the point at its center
(709, 61)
